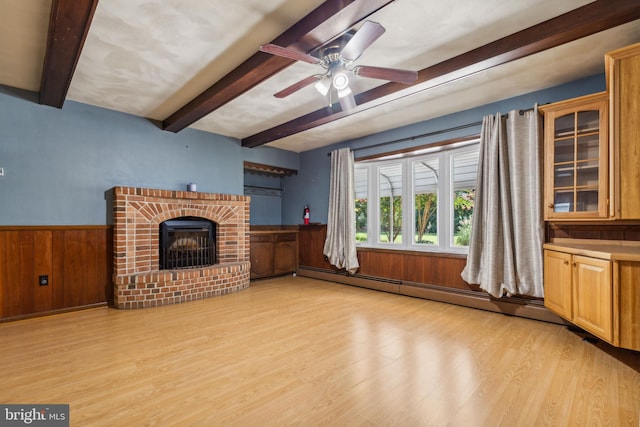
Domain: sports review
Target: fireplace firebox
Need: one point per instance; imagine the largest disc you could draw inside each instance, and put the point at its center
(187, 242)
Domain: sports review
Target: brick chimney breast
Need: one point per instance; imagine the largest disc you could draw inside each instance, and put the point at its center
(137, 215)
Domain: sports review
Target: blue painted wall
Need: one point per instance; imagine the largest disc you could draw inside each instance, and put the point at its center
(311, 185)
(267, 209)
(59, 163)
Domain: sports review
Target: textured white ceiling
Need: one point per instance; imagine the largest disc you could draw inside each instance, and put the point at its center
(23, 35)
(150, 57)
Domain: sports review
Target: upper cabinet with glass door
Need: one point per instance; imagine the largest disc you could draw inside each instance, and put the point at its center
(576, 176)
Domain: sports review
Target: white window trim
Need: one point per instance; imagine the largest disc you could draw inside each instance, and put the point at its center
(445, 207)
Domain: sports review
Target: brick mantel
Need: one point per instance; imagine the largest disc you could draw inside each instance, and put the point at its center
(137, 215)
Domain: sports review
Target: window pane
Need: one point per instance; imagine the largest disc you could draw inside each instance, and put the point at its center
(361, 190)
(426, 179)
(464, 170)
(390, 191)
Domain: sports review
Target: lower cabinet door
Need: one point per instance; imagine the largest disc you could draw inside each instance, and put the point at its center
(557, 283)
(593, 296)
(284, 260)
(261, 259)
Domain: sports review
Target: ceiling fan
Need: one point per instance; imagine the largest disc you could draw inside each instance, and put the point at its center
(337, 59)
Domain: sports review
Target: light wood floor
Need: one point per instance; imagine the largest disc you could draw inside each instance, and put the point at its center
(298, 351)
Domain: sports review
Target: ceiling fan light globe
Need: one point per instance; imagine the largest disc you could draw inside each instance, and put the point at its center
(323, 85)
(340, 81)
(344, 92)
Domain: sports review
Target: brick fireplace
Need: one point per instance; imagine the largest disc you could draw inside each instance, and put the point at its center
(137, 214)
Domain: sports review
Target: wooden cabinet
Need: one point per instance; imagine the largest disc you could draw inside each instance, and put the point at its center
(261, 255)
(623, 82)
(273, 252)
(285, 253)
(578, 288)
(557, 283)
(596, 286)
(593, 296)
(576, 176)
(592, 148)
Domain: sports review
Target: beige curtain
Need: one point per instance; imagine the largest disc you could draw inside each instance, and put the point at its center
(340, 246)
(505, 251)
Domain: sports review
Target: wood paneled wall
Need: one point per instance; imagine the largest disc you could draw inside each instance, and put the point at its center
(599, 231)
(409, 266)
(77, 260)
(310, 245)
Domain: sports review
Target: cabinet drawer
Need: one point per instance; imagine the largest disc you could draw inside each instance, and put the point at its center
(285, 237)
(261, 238)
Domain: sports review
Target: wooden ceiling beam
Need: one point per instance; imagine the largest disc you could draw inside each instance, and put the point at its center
(578, 23)
(325, 22)
(68, 27)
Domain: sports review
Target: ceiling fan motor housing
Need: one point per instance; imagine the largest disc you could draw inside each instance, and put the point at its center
(331, 57)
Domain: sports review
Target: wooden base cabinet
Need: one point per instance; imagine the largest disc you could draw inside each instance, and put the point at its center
(557, 279)
(261, 251)
(273, 253)
(285, 253)
(596, 287)
(593, 296)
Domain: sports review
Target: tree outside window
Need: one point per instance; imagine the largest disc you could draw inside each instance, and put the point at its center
(464, 166)
(425, 182)
(390, 187)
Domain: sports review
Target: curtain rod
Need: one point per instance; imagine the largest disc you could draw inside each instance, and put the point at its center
(424, 135)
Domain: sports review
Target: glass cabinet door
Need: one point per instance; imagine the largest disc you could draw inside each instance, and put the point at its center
(576, 142)
(576, 176)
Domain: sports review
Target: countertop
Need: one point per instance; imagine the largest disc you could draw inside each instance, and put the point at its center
(614, 250)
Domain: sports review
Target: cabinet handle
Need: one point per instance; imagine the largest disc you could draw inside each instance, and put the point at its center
(566, 262)
(550, 205)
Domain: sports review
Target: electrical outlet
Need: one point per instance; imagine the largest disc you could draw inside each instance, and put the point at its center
(43, 280)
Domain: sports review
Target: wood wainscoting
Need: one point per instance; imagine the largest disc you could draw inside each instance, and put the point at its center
(77, 261)
(410, 266)
(428, 275)
(604, 230)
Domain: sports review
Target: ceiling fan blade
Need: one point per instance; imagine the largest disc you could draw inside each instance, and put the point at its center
(289, 53)
(391, 74)
(297, 86)
(361, 40)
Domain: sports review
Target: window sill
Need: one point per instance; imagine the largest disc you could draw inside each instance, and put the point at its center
(432, 253)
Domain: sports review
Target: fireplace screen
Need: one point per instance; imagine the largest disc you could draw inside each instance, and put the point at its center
(187, 242)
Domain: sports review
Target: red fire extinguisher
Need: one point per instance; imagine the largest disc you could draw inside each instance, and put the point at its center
(306, 214)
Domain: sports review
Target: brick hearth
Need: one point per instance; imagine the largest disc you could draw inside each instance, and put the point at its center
(137, 278)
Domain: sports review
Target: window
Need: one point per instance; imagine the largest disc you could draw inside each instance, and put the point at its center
(418, 201)
(464, 168)
(390, 203)
(361, 197)
(425, 192)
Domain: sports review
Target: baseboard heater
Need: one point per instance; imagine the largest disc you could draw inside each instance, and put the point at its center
(513, 306)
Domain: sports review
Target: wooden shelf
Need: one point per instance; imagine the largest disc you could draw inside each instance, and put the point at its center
(269, 169)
